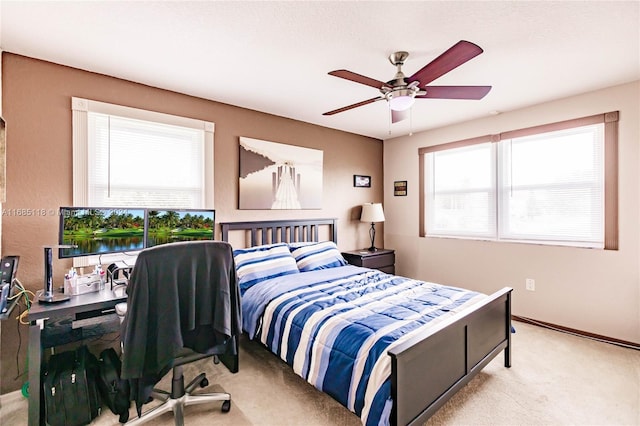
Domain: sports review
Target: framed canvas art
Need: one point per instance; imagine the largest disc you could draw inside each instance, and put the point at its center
(276, 176)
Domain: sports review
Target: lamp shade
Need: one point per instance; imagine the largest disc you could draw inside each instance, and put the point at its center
(372, 212)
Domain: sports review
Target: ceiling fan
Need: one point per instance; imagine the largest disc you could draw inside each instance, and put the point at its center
(401, 92)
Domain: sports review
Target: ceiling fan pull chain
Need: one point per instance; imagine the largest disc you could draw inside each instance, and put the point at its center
(411, 122)
(389, 120)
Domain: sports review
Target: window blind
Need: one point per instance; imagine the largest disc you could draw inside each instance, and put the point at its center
(461, 191)
(142, 163)
(552, 186)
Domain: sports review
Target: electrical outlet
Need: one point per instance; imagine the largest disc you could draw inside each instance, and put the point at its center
(530, 284)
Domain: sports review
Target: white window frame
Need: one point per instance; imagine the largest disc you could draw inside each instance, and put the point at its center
(80, 113)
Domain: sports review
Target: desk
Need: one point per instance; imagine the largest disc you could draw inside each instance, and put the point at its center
(40, 314)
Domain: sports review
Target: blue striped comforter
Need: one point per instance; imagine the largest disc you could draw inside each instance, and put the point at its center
(335, 326)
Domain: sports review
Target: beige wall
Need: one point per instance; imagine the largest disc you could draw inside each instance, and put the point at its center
(37, 108)
(595, 291)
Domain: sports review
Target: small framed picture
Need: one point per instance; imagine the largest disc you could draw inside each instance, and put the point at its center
(360, 181)
(400, 188)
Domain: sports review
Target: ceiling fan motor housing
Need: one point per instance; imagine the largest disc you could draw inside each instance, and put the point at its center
(401, 93)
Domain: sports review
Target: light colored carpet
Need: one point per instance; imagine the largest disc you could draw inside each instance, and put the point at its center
(555, 379)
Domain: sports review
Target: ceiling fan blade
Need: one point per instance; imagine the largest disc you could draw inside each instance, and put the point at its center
(455, 92)
(457, 55)
(399, 115)
(352, 76)
(359, 104)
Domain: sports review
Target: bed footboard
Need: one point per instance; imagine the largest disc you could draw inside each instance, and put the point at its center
(427, 370)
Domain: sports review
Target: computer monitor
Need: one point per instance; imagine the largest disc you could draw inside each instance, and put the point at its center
(100, 230)
(172, 225)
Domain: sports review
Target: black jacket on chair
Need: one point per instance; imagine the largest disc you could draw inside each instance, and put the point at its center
(180, 295)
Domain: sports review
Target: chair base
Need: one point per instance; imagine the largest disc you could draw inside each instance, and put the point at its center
(178, 399)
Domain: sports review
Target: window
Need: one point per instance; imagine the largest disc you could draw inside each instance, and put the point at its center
(127, 157)
(461, 191)
(552, 184)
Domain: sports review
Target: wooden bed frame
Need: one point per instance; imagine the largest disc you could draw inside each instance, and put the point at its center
(429, 369)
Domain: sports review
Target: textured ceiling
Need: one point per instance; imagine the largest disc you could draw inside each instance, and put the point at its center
(274, 56)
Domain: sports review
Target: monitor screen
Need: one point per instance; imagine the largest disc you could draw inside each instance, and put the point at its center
(167, 226)
(97, 231)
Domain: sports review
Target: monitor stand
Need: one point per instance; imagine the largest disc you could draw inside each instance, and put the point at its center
(49, 296)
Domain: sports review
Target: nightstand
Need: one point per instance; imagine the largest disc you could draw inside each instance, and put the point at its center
(381, 259)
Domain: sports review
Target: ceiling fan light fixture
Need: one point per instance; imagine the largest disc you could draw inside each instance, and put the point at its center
(401, 103)
(401, 99)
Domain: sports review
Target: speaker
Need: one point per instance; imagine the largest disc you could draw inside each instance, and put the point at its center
(4, 294)
(8, 268)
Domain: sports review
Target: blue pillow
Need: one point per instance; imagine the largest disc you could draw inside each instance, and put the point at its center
(262, 262)
(311, 257)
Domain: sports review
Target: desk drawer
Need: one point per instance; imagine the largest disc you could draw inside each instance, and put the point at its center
(62, 331)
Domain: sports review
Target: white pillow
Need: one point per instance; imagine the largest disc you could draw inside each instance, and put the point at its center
(314, 256)
(262, 262)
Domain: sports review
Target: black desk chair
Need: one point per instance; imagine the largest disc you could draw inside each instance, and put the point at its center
(183, 305)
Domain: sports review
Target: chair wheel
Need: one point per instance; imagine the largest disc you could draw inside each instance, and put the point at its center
(204, 383)
(226, 406)
(124, 417)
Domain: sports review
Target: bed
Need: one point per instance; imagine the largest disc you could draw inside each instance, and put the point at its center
(391, 357)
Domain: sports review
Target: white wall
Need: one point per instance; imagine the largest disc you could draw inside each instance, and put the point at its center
(596, 291)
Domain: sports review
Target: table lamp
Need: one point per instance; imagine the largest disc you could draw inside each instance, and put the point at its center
(372, 213)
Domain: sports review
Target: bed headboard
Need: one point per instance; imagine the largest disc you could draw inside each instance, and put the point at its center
(276, 231)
